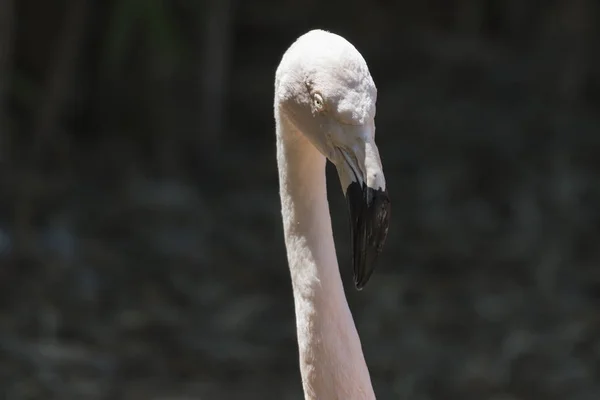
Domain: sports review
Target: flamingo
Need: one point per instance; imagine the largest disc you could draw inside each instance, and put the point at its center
(324, 109)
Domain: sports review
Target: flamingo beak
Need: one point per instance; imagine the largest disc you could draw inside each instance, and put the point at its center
(361, 175)
(369, 221)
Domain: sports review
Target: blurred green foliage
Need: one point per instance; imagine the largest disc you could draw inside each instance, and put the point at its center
(154, 20)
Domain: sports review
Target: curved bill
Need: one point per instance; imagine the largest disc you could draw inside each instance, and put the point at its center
(369, 206)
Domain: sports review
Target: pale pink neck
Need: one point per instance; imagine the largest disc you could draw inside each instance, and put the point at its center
(332, 364)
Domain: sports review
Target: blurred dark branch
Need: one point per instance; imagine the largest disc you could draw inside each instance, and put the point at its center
(566, 41)
(57, 86)
(519, 19)
(470, 14)
(215, 72)
(51, 105)
(577, 24)
(7, 21)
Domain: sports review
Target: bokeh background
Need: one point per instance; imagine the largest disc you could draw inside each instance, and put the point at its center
(141, 248)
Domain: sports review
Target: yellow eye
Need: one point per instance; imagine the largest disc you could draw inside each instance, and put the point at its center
(318, 102)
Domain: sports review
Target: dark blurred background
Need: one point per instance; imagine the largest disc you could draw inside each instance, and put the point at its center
(141, 248)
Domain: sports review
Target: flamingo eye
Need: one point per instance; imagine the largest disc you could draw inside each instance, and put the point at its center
(318, 102)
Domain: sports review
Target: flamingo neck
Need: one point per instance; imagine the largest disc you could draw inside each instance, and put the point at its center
(332, 363)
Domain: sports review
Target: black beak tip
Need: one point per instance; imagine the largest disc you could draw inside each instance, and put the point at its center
(360, 281)
(359, 285)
